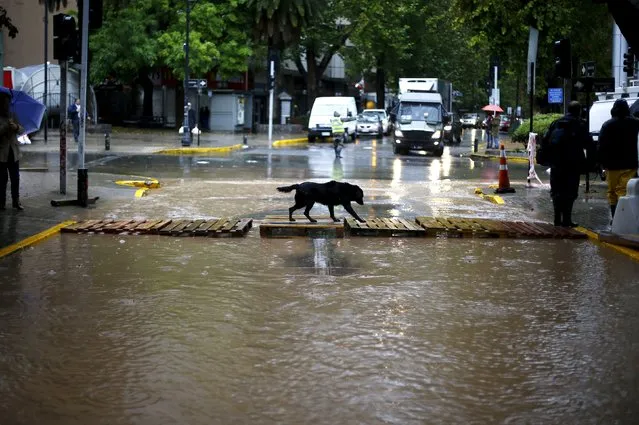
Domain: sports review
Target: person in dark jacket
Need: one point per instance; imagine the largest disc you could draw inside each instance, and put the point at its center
(9, 154)
(74, 115)
(617, 151)
(566, 140)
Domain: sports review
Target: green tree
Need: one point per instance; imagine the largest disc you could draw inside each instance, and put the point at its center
(280, 23)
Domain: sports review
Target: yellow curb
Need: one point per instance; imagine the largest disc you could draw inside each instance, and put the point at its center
(514, 159)
(495, 199)
(634, 254)
(195, 151)
(31, 240)
(141, 192)
(286, 142)
(149, 183)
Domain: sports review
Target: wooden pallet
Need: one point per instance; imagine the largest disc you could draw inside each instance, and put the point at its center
(485, 228)
(221, 227)
(390, 227)
(279, 226)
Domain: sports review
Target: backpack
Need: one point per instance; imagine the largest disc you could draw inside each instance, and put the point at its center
(561, 146)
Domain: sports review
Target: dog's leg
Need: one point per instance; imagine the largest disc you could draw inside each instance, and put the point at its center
(294, 208)
(331, 211)
(352, 212)
(307, 210)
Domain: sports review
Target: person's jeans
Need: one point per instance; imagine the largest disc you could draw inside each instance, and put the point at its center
(10, 169)
(76, 130)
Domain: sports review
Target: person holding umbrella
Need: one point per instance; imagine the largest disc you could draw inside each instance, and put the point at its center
(9, 153)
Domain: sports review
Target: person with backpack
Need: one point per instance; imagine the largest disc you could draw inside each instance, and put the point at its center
(617, 151)
(563, 146)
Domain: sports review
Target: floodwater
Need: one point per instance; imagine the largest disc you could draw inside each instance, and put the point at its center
(159, 330)
(109, 329)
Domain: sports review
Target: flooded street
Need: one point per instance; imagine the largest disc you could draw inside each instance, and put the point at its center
(111, 329)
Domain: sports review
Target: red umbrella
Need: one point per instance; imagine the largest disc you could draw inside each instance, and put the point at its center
(492, 108)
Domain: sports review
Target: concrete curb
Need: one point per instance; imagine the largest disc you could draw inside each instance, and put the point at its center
(286, 142)
(634, 254)
(195, 151)
(515, 159)
(32, 240)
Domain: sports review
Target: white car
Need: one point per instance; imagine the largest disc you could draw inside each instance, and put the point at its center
(470, 121)
(378, 113)
(369, 124)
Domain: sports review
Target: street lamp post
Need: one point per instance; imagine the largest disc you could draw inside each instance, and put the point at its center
(186, 139)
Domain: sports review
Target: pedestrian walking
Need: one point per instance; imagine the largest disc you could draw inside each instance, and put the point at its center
(337, 128)
(9, 154)
(489, 134)
(74, 115)
(617, 151)
(494, 129)
(564, 144)
(192, 120)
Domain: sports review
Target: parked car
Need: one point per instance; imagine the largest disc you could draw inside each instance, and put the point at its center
(504, 123)
(470, 121)
(453, 130)
(382, 115)
(369, 124)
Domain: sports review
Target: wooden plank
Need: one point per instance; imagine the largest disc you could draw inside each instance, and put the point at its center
(191, 227)
(172, 225)
(221, 222)
(116, 226)
(99, 227)
(133, 225)
(389, 223)
(229, 225)
(73, 228)
(156, 228)
(410, 226)
(544, 233)
(203, 229)
(179, 229)
(83, 225)
(352, 223)
(146, 226)
(243, 226)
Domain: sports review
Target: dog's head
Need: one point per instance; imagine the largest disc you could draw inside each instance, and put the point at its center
(358, 194)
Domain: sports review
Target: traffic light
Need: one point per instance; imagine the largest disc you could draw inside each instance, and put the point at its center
(65, 37)
(563, 62)
(95, 14)
(629, 62)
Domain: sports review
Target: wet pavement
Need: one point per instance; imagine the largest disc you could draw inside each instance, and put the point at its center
(107, 329)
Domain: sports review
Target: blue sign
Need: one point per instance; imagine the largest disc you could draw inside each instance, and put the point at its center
(555, 95)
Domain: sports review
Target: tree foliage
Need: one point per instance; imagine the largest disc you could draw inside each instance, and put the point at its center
(152, 33)
(5, 22)
(280, 23)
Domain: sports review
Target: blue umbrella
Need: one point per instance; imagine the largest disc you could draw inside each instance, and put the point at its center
(28, 111)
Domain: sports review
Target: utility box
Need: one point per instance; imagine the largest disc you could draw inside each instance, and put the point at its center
(285, 107)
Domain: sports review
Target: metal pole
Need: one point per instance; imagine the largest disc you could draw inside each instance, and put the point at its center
(532, 93)
(270, 102)
(83, 178)
(588, 87)
(186, 137)
(197, 122)
(63, 127)
(46, 68)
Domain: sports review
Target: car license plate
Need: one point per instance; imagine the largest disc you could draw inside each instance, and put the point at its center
(325, 133)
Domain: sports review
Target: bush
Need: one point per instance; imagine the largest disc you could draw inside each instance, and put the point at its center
(541, 122)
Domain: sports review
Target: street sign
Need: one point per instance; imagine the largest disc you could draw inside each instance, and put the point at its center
(588, 84)
(588, 69)
(555, 95)
(197, 84)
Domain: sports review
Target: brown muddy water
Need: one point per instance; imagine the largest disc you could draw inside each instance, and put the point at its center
(105, 329)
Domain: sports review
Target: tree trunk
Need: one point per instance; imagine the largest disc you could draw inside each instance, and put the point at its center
(381, 85)
(312, 77)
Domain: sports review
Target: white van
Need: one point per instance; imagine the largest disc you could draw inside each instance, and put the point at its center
(600, 113)
(319, 123)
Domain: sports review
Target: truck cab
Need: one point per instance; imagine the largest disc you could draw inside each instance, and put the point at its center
(419, 120)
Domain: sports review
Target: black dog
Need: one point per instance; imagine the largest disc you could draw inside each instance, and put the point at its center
(329, 194)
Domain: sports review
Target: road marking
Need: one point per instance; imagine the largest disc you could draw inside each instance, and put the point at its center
(634, 254)
(495, 199)
(141, 192)
(31, 240)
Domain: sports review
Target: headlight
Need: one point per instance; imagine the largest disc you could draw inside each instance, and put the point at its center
(437, 134)
(448, 128)
(398, 133)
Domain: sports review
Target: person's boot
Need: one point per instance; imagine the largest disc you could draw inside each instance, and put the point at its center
(556, 203)
(567, 214)
(17, 205)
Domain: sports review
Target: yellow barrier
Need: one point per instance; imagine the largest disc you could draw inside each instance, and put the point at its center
(634, 254)
(495, 199)
(195, 151)
(286, 142)
(31, 240)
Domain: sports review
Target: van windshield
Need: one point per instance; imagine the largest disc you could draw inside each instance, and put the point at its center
(416, 111)
(328, 109)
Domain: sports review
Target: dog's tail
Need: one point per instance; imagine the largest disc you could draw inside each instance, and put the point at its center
(287, 189)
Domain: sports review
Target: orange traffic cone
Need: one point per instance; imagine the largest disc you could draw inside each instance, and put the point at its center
(504, 181)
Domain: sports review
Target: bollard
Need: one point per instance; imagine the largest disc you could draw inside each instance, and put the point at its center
(245, 141)
(107, 142)
(475, 145)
